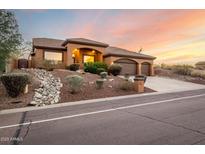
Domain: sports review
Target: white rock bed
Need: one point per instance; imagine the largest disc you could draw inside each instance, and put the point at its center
(49, 90)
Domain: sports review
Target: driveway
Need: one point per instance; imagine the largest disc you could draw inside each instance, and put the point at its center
(162, 84)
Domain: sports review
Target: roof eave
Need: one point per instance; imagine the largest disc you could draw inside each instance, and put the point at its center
(84, 43)
(46, 47)
(129, 56)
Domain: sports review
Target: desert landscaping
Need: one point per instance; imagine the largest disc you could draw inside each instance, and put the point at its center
(189, 73)
(50, 87)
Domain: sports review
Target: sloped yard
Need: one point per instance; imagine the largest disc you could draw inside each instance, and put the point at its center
(88, 91)
(23, 100)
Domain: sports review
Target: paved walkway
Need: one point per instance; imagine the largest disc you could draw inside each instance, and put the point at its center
(161, 84)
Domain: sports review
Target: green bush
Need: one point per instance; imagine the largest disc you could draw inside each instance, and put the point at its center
(48, 65)
(75, 82)
(182, 69)
(15, 83)
(126, 85)
(89, 67)
(92, 67)
(99, 70)
(99, 83)
(200, 65)
(74, 67)
(103, 75)
(115, 69)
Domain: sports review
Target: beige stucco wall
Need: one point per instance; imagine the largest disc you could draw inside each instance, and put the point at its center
(109, 60)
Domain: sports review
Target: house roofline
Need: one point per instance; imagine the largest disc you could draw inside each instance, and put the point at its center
(45, 47)
(128, 56)
(83, 43)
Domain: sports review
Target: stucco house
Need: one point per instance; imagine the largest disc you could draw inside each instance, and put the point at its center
(80, 50)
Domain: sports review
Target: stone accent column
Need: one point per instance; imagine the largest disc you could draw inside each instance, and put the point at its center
(151, 70)
(139, 72)
(139, 85)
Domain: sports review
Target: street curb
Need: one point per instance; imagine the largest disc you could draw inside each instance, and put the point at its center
(24, 109)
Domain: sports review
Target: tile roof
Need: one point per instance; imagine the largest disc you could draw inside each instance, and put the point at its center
(84, 41)
(48, 42)
(115, 51)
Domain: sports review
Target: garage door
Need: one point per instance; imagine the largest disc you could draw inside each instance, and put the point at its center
(146, 69)
(128, 66)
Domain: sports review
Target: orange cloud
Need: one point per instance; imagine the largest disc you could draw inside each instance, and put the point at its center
(171, 35)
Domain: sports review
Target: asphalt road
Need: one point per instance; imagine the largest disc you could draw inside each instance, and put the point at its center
(174, 118)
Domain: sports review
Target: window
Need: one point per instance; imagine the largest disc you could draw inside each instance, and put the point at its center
(87, 58)
(57, 57)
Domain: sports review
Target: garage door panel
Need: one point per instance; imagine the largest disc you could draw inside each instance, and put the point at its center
(128, 66)
(145, 69)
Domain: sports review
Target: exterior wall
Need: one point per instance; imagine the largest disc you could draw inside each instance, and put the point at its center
(37, 60)
(11, 64)
(79, 54)
(109, 60)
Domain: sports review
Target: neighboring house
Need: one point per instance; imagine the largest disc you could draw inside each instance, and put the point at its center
(80, 50)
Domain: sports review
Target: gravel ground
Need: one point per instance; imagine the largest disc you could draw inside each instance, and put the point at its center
(23, 100)
(88, 90)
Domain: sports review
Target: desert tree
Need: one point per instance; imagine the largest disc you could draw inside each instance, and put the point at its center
(10, 37)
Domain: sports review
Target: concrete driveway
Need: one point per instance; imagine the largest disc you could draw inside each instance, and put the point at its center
(162, 84)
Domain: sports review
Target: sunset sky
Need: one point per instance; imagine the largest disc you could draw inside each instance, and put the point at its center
(173, 36)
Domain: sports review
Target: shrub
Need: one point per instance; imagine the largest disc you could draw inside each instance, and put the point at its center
(103, 75)
(89, 67)
(15, 83)
(99, 70)
(99, 83)
(115, 69)
(73, 67)
(200, 65)
(75, 83)
(166, 67)
(198, 73)
(92, 67)
(48, 65)
(182, 69)
(126, 85)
